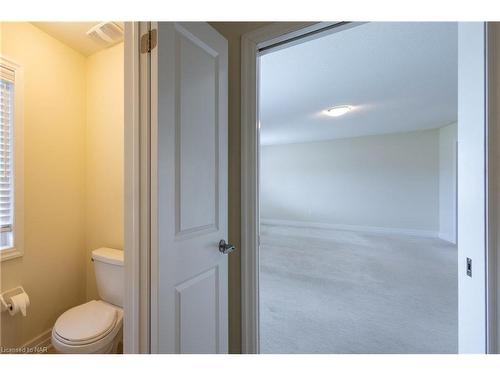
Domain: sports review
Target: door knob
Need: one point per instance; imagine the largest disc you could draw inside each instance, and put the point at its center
(226, 248)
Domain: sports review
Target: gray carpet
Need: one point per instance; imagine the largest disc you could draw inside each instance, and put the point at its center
(329, 291)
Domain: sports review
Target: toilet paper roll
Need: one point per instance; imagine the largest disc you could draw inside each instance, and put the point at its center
(19, 302)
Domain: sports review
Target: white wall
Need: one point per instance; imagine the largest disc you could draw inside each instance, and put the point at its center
(448, 183)
(384, 181)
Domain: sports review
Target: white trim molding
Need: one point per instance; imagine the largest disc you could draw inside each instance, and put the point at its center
(131, 182)
(18, 162)
(447, 236)
(41, 344)
(139, 199)
(354, 228)
(136, 221)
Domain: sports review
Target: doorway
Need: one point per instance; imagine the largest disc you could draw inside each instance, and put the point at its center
(177, 284)
(357, 192)
(471, 319)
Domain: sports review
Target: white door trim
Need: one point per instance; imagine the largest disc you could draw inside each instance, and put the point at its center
(280, 32)
(153, 197)
(136, 206)
(131, 181)
(250, 45)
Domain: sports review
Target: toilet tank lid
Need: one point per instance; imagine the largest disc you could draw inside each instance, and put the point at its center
(108, 255)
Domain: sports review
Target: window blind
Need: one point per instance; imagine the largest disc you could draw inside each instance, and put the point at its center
(6, 74)
(6, 167)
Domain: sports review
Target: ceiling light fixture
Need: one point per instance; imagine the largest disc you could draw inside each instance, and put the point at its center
(338, 110)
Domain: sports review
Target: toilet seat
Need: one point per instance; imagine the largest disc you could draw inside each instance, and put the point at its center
(88, 328)
(86, 323)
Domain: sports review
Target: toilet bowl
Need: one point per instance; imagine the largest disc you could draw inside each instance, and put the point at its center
(95, 326)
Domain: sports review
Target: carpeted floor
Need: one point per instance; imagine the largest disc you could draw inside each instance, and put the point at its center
(329, 291)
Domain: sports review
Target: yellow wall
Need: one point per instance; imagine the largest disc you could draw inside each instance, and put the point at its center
(52, 269)
(73, 134)
(104, 171)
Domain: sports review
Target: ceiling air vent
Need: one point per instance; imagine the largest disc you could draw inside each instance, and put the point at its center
(106, 33)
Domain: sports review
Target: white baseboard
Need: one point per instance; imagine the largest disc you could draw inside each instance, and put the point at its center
(356, 228)
(40, 344)
(449, 237)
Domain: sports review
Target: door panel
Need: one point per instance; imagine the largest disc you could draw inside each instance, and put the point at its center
(196, 302)
(197, 169)
(189, 290)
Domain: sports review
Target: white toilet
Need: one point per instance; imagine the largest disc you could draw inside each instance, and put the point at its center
(95, 326)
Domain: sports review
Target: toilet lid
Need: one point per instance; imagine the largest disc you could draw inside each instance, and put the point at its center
(86, 322)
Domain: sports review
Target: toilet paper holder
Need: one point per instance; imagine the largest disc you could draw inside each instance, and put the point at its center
(5, 296)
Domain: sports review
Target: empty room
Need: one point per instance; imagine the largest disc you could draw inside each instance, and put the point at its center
(358, 191)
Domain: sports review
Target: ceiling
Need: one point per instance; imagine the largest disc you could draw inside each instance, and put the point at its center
(73, 34)
(398, 77)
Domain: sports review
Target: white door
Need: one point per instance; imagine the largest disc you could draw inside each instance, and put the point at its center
(471, 187)
(189, 291)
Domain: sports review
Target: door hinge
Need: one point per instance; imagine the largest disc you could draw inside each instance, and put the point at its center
(148, 41)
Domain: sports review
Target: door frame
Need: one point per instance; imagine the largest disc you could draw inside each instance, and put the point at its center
(289, 32)
(251, 43)
(141, 326)
(137, 205)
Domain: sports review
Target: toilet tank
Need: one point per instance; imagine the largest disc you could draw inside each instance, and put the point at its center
(109, 274)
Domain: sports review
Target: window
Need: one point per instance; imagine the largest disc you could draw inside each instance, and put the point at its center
(11, 161)
(6, 169)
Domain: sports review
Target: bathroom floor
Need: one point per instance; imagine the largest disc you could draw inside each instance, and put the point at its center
(331, 291)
